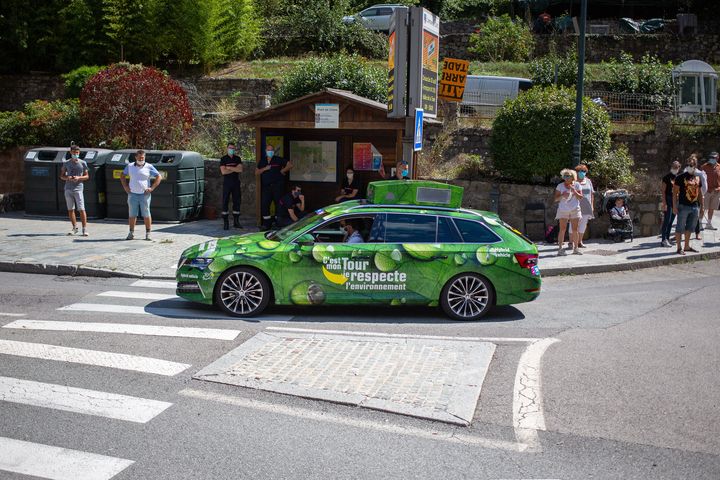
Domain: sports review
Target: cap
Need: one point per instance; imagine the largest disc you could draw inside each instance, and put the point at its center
(713, 154)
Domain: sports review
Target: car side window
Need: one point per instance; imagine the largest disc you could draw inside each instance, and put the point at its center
(447, 232)
(383, 12)
(410, 228)
(475, 232)
(370, 12)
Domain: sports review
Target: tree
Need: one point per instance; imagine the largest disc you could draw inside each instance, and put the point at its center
(500, 38)
(134, 106)
(181, 30)
(126, 25)
(236, 30)
(79, 40)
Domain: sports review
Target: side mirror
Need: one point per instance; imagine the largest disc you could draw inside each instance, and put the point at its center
(306, 240)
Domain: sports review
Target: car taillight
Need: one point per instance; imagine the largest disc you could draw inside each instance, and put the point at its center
(527, 260)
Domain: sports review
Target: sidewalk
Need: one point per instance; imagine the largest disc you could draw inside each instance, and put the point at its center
(41, 245)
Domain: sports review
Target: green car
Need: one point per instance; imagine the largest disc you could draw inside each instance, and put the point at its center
(414, 246)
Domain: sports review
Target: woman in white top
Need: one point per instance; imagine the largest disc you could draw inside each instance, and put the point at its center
(568, 195)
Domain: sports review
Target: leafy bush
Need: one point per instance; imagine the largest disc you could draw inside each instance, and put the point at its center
(613, 169)
(136, 106)
(236, 30)
(649, 76)
(533, 134)
(457, 9)
(346, 72)
(75, 79)
(41, 123)
(542, 70)
(500, 38)
(623, 74)
(210, 135)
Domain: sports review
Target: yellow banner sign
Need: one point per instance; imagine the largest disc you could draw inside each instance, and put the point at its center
(117, 174)
(452, 83)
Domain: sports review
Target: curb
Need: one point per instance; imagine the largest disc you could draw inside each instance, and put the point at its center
(74, 271)
(627, 266)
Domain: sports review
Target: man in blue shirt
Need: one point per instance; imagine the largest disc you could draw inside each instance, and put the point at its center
(139, 191)
(272, 171)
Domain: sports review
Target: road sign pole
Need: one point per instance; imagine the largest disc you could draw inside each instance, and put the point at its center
(577, 139)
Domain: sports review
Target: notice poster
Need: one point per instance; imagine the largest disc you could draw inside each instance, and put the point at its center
(313, 161)
(327, 115)
(366, 157)
(430, 62)
(452, 82)
(277, 141)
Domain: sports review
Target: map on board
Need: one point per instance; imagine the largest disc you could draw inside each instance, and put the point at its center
(313, 161)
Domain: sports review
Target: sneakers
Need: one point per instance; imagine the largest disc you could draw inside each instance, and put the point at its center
(130, 236)
(577, 252)
(561, 252)
(709, 226)
(74, 231)
(147, 237)
(582, 245)
(85, 233)
(665, 243)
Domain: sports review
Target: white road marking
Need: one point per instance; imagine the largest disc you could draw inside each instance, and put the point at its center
(57, 463)
(528, 415)
(162, 312)
(139, 295)
(128, 328)
(402, 335)
(11, 314)
(453, 436)
(153, 284)
(92, 357)
(80, 400)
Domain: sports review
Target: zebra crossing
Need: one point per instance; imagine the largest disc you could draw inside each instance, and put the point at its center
(55, 461)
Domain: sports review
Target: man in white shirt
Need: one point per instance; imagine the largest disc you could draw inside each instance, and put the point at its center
(139, 191)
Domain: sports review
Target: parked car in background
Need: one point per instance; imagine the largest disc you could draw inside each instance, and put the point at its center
(414, 245)
(485, 94)
(376, 17)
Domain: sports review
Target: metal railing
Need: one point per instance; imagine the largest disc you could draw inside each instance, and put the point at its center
(631, 107)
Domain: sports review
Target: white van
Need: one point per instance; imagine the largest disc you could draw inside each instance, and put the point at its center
(485, 94)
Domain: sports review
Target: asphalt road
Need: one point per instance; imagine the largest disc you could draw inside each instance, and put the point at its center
(629, 390)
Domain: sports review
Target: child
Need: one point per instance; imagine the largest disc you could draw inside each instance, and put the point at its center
(619, 211)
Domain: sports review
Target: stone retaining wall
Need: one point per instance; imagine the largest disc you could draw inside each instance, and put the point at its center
(17, 90)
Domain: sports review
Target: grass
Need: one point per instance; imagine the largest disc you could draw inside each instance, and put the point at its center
(268, 68)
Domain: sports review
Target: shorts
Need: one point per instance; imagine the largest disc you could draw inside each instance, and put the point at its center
(74, 200)
(569, 214)
(687, 218)
(139, 203)
(712, 200)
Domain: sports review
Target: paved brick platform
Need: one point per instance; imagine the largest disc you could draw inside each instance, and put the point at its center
(435, 379)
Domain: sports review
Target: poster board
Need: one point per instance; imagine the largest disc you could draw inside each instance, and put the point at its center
(278, 142)
(366, 157)
(313, 161)
(327, 115)
(424, 60)
(452, 82)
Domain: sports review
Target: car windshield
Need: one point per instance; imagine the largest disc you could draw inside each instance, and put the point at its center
(293, 228)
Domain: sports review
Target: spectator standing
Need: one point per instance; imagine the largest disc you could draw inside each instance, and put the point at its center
(291, 207)
(666, 192)
(703, 189)
(74, 172)
(139, 190)
(272, 170)
(351, 187)
(231, 168)
(712, 198)
(687, 198)
(587, 203)
(568, 195)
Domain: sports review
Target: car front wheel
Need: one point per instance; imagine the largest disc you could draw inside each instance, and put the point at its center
(467, 297)
(242, 292)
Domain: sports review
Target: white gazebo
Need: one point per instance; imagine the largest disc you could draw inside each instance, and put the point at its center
(696, 83)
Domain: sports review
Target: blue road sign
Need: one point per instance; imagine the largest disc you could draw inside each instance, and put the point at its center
(418, 137)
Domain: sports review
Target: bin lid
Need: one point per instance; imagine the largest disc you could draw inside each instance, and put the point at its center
(62, 154)
(162, 158)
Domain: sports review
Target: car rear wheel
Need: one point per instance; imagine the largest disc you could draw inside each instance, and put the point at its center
(467, 297)
(242, 292)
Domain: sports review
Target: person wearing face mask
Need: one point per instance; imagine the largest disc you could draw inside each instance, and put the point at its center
(74, 172)
(350, 189)
(352, 232)
(139, 190)
(703, 189)
(291, 207)
(231, 168)
(687, 198)
(666, 193)
(272, 170)
(586, 203)
(402, 170)
(712, 198)
(568, 195)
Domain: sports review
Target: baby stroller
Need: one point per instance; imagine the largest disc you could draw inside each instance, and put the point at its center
(621, 225)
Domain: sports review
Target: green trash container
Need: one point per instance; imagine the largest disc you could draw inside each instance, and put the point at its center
(181, 193)
(45, 192)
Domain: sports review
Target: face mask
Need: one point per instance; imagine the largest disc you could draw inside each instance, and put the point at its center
(140, 162)
(674, 171)
(269, 153)
(350, 176)
(405, 173)
(296, 194)
(231, 152)
(712, 161)
(75, 156)
(690, 170)
(581, 175)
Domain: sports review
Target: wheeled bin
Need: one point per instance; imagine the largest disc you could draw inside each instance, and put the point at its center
(45, 192)
(181, 193)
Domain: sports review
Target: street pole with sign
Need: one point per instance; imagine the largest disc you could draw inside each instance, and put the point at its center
(577, 138)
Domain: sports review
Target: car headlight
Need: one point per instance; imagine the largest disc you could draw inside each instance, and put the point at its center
(200, 262)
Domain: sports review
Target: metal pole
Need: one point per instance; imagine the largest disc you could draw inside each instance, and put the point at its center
(577, 139)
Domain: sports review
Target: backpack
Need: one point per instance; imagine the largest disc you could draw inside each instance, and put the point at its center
(551, 233)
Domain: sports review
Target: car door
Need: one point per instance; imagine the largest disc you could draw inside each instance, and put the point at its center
(369, 18)
(383, 17)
